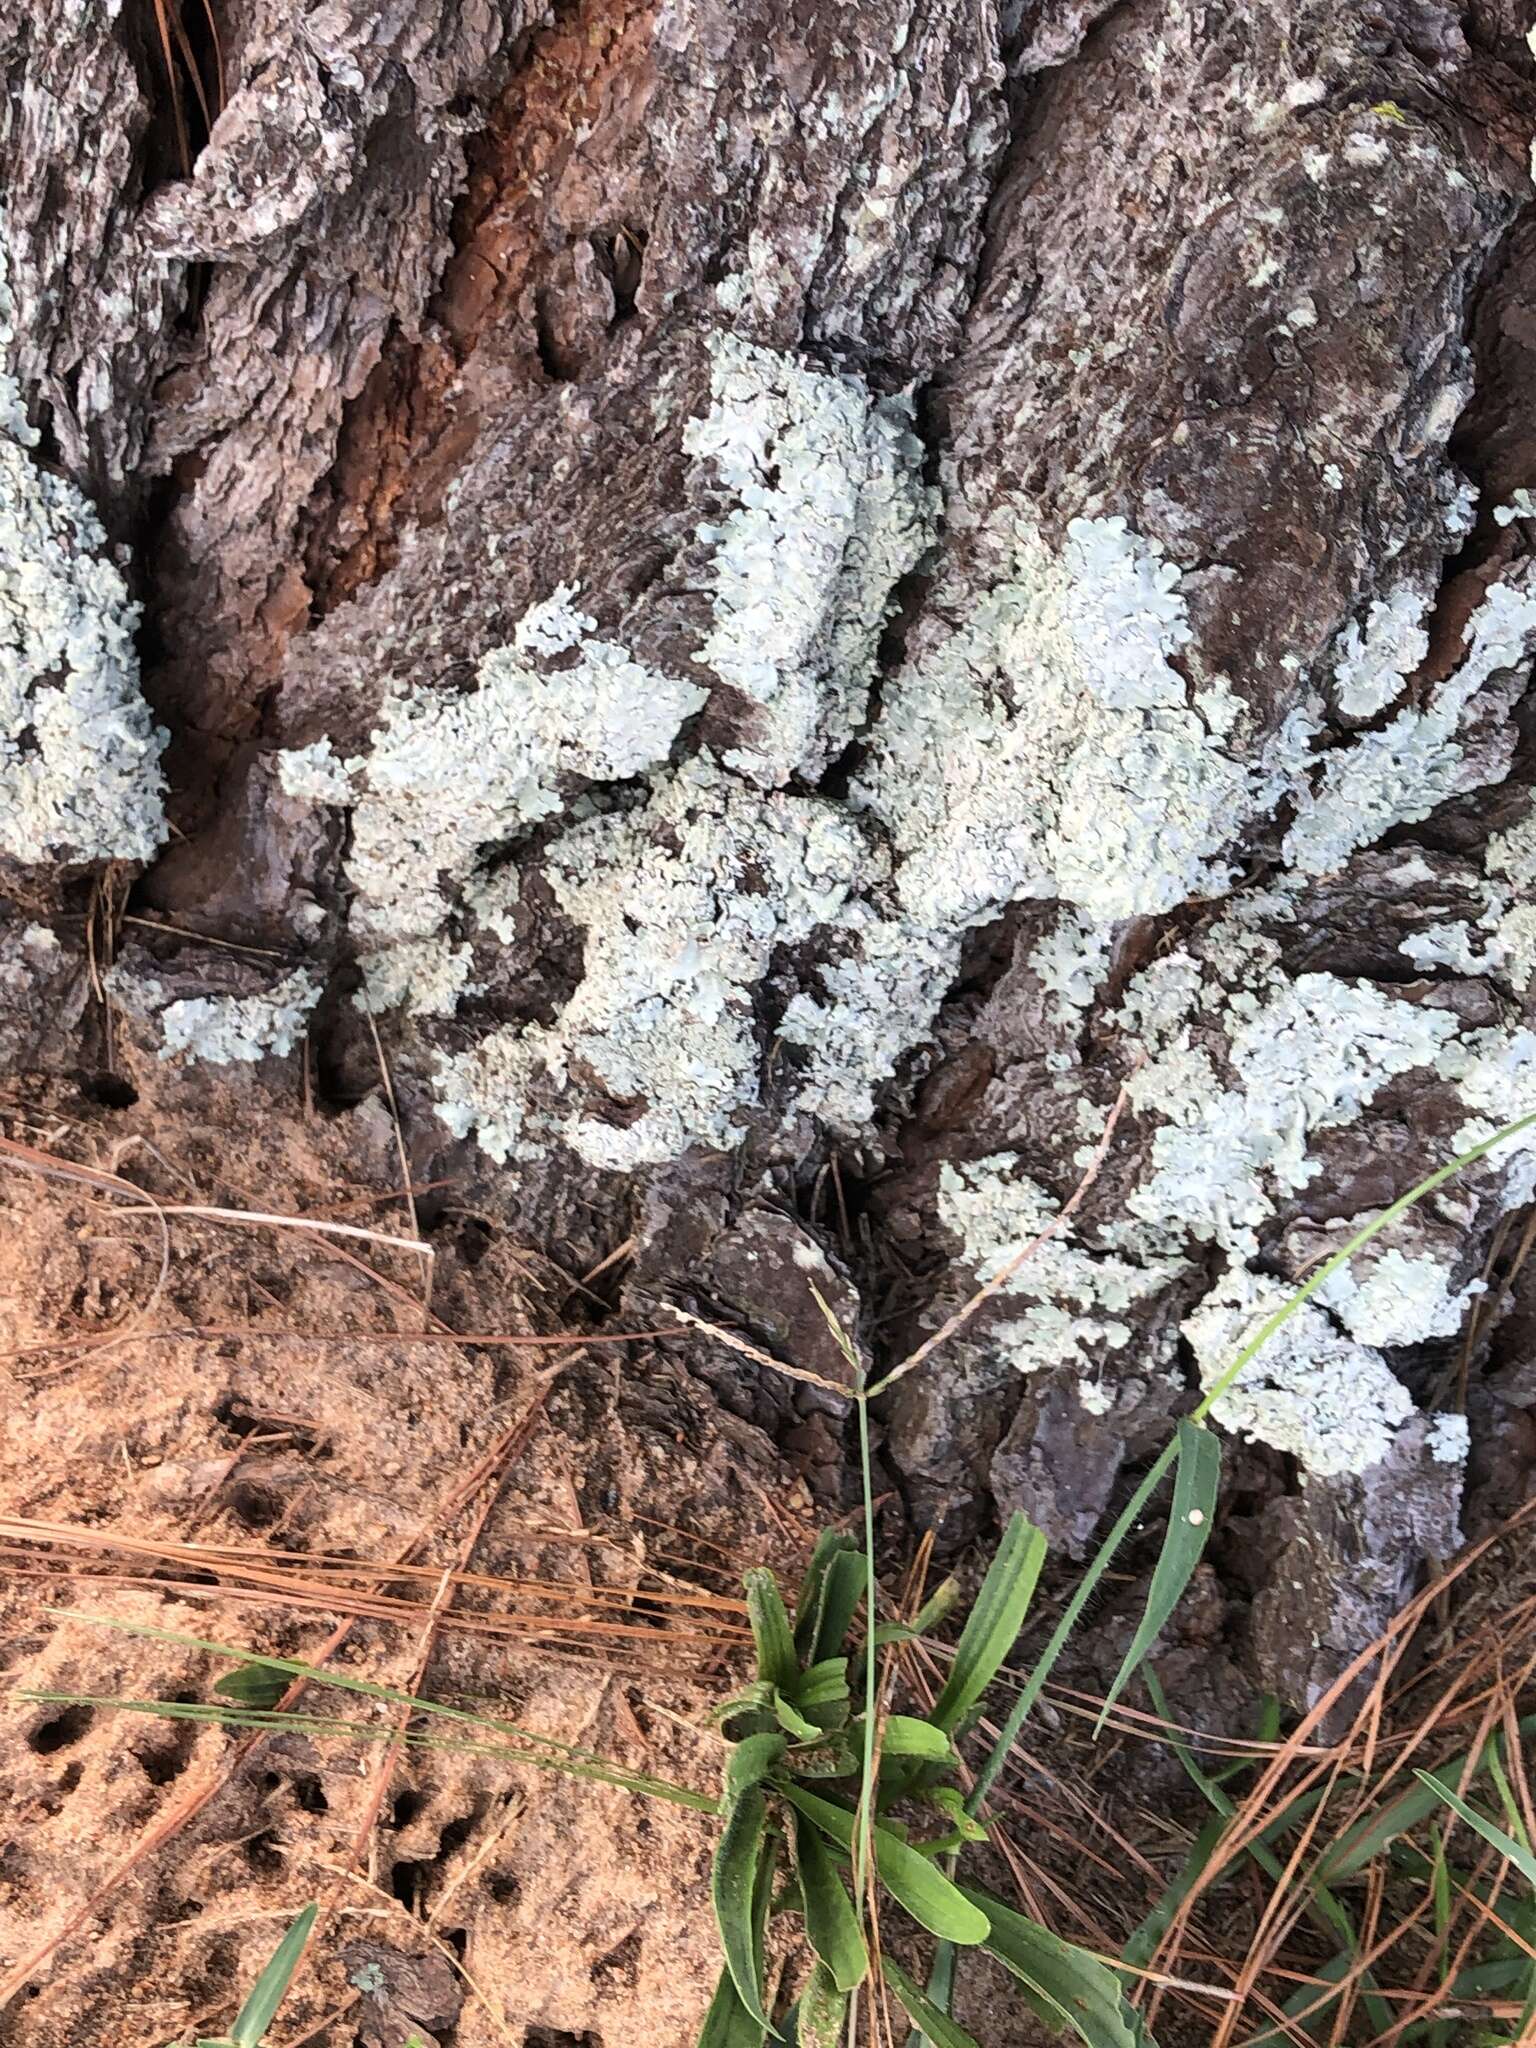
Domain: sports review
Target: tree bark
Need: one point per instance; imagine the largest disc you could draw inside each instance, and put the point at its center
(788, 598)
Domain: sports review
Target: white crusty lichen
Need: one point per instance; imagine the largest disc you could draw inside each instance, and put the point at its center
(1522, 505)
(1049, 748)
(1329, 1401)
(1072, 961)
(876, 1000)
(224, 1029)
(828, 511)
(1450, 1439)
(1373, 664)
(451, 774)
(1079, 1295)
(79, 753)
(1391, 1297)
(682, 904)
(1046, 749)
(1421, 757)
(1307, 1055)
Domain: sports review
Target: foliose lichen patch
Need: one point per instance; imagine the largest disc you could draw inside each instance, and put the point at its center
(1052, 734)
(79, 753)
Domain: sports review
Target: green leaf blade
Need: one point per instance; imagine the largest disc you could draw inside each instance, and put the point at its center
(271, 1987)
(911, 1879)
(905, 1735)
(822, 2012)
(1196, 1483)
(777, 1663)
(728, 2024)
(1523, 1859)
(254, 1685)
(1065, 1985)
(993, 1624)
(831, 1924)
(733, 1889)
(937, 2027)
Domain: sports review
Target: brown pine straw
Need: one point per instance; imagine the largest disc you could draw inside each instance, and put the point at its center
(1473, 1702)
(185, 1807)
(97, 1180)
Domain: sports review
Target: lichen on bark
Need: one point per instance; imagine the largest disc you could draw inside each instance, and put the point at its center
(786, 586)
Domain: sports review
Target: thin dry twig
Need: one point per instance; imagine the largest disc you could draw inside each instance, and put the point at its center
(1006, 1271)
(791, 1372)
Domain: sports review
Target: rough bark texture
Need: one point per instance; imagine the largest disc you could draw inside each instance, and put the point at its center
(1119, 685)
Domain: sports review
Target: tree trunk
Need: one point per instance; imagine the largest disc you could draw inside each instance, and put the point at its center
(762, 607)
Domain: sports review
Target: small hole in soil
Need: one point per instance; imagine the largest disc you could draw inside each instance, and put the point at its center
(503, 1888)
(455, 1835)
(263, 1854)
(170, 1759)
(405, 1809)
(60, 1732)
(552, 2037)
(72, 1776)
(408, 1881)
(309, 1794)
(112, 1091)
(257, 1506)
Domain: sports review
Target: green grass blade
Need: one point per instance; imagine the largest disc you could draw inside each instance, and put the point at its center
(1142, 1945)
(1363, 1843)
(866, 1814)
(993, 1624)
(831, 1925)
(935, 2027)
(733, 1889)
(777, 1663)
(271, 1987)
(1514, 1852)
(1197, 1480)
(912, 1880)
(340, 1682)
(567, 1762)
(1045, 1663)
(1065, 1985)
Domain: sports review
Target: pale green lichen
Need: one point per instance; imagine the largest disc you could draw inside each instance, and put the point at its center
(1047, 747)
(682, 904)
(1306, 1056)
(1078, 1295)
(1388, 1298)
(1329, 1401)
(450, 775)
(1373, 664)
(80, 772)
(1420, 758)
(827, 512)
(1450, 1439)
(1071, 961)
(226, 1029)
